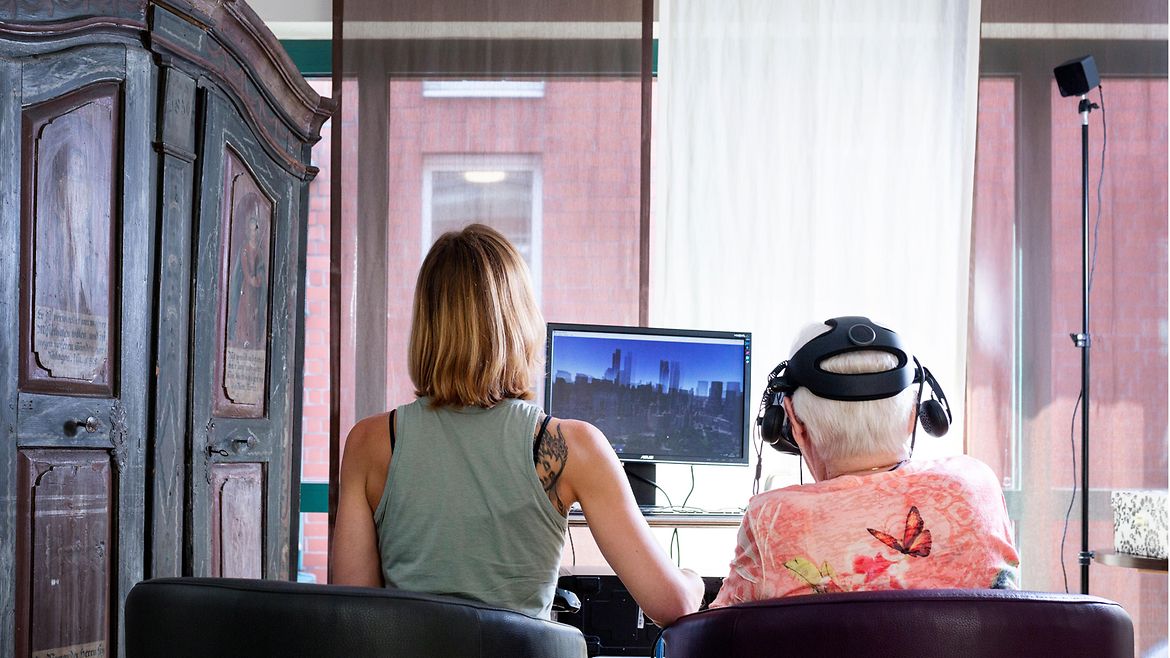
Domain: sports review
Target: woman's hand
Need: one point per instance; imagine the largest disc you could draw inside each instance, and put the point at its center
(594, 477)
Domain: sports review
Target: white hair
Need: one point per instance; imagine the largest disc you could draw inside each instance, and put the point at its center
(840, 430)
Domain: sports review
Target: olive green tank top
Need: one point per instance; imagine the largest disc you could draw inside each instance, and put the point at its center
(463, 512)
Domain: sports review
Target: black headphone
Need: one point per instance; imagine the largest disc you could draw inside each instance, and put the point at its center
(848, 334)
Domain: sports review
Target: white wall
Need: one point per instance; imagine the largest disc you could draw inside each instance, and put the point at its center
(296, 19)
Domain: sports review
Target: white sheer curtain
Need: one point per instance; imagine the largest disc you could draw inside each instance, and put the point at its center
(814, 158)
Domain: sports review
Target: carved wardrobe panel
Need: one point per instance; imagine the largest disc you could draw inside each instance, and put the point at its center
(153, 189)
(246, 276)
(75, 313)
(69, 203)
(64, 541)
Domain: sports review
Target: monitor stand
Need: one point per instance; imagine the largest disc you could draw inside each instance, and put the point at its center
(644, 493)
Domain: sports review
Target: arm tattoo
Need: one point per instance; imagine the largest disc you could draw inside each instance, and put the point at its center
(551, 457)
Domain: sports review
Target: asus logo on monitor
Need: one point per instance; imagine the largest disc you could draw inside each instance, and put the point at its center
(645, 456)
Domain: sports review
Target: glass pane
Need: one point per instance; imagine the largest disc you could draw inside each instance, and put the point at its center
(500, 199)
(991, 344)
(313, 553)
(556, 168)
(1026, 298)
(1128, 307)
(314, 533)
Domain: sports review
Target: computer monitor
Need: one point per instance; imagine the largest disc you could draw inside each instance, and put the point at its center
(658, 395)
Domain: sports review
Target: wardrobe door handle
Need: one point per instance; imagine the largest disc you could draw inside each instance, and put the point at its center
(90, 425)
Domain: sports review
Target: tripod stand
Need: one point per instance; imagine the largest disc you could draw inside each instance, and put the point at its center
(1076, 78)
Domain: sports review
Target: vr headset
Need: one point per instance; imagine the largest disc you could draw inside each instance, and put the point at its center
(848, 334)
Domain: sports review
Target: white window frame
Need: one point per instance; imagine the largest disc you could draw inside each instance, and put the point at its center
(508, 162)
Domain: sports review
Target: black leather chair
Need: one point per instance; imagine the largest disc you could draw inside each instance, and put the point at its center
(177, 617)
(909, 623)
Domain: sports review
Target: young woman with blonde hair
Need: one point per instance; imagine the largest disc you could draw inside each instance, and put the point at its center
(465, 491)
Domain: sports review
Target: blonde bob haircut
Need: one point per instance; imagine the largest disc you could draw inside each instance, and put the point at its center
(477, 335)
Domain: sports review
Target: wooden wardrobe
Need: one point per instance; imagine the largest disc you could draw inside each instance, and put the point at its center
(154, 172)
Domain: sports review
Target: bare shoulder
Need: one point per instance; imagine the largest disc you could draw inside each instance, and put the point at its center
(582, 437)
(589, 459)
(566, 452)
(367, 458)
(369, 437)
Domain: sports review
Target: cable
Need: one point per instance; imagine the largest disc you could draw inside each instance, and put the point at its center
(759, 456)
(675, 540)
(1067, 513)
(674, 536)
(1100, 181)
(660, 644)
(651, 483)
(692, 486)
(572, 547)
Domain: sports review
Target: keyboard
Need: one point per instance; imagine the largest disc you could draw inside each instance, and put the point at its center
(656, 510)
(669, 517)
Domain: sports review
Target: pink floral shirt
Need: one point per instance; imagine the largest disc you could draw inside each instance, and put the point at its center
(926, 525)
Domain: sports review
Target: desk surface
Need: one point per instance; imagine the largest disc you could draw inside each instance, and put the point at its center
(672, 520)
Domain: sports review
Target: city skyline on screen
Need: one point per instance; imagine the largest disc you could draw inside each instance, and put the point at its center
(658, 397)
(698, 360)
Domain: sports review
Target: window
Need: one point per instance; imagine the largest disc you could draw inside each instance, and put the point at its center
(502, 191)
(1025, 372)
(313, 553)
(558, 175)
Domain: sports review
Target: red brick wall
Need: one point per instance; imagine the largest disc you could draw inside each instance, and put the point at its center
(315, 427)
(315, 423)
(586, 134)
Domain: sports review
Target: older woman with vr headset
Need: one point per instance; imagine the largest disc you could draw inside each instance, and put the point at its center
(848, 401)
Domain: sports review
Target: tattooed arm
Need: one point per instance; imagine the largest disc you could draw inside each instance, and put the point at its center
(576, 463)
(551, 454)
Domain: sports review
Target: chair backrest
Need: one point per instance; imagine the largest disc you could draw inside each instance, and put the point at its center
(911, 623)
(236, 617)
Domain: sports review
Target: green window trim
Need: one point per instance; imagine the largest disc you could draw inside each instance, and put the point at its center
(314, 497)
(314, 57)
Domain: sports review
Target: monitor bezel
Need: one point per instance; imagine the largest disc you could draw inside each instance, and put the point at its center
(745, 336)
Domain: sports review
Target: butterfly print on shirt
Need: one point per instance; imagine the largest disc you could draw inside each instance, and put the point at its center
(819, 579)
(915, 538)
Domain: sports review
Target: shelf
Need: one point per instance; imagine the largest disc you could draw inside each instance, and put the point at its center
(1128, 561)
